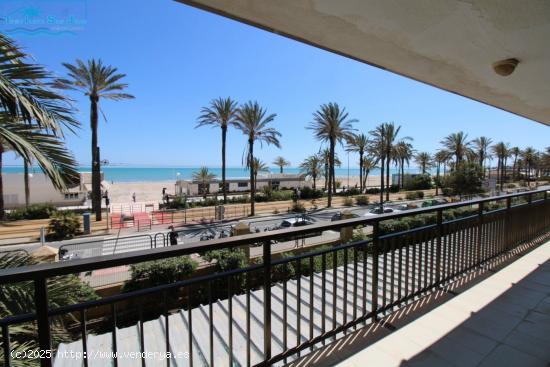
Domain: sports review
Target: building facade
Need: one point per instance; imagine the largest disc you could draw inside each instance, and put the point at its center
(238, 185)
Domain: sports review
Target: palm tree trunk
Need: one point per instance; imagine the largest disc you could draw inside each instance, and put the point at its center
(96, 179)
(382, 182)
(437, 182)
(331, 177)
(402, 173)
(281, 169)
(26, 182)
(224, 188)
(333, 172)
(314, 182)
(361, 171)
(388, 178)
(2, 211)
(326, 176)
(252, 183)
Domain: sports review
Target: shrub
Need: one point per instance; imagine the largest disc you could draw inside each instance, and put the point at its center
(310, 193)
(227, 259)
(411, 195)
(63, 225)
(158, 272)
(373, 190)
(465, 180)
(420, 194)
(348, 202)
(351, 192)
(362, 200)
(298, 208)
(393, 225)
(418, 182)
(35, 211)
(394, 188)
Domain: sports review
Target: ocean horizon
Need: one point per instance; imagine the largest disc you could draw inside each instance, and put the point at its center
(144, 174)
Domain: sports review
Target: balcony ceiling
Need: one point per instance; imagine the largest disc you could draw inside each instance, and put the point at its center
(449, 44)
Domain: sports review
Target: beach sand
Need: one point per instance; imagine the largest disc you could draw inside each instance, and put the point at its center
(151, 192)
(146, 192)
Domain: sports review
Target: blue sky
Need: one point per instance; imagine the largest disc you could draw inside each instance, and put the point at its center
(178, 58)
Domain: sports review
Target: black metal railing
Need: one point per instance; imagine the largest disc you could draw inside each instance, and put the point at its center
(273, 309)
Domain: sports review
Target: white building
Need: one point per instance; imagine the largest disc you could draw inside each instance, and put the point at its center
(236, 185)
(43, 191)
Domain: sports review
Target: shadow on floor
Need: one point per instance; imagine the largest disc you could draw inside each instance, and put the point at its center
(512, 330)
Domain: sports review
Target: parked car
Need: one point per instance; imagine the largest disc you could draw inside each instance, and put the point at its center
(378, 211)
(338, 216)
(295, 222)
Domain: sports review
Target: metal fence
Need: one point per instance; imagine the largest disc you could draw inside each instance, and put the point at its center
(270, 311)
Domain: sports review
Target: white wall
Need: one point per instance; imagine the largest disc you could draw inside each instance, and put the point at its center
(41, 191)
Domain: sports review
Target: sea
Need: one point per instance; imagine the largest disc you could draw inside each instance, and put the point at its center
(146, 174)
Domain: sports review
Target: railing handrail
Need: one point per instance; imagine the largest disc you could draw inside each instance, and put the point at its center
(47, 270)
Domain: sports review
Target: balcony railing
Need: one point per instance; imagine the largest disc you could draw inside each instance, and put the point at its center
(279, 306)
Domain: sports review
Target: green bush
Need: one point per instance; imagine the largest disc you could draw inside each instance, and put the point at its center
(310, 193)
(227, 259)
(298, 208)
(465, 180)
(158, 272)
(420, 194)
(362, 200)
(373, 190)
(418, 182)
(63, 225)
(348, 202)
(35, 211)
(411, 195)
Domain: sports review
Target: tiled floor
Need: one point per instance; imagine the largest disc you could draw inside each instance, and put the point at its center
(502, 321)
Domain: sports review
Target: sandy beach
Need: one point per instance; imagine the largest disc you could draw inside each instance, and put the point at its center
(121, 192)
(151, 191)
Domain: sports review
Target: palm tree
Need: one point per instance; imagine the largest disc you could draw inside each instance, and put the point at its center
(253, 121)
(403, 153)
(424, 160)
(515, 152)
(481, 146)
(32, 116)
(18, 298)
(369, 163)
(203, 176)
(281, 162)
(325, 161)
(458, 145)
(501, 152)
(529, 156)
(385, 136)
(258, 166)
(331, 124)
(311, 167)
(221, 113)
(440, 157)
(96, 81)
(359, 143)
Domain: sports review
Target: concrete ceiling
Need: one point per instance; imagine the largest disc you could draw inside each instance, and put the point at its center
(449, 44)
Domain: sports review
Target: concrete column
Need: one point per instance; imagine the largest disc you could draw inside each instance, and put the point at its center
(346, 233)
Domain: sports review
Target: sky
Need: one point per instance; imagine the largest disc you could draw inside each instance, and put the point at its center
(178, 58)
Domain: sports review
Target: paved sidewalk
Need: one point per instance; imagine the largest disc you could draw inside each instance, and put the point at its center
(502, 321)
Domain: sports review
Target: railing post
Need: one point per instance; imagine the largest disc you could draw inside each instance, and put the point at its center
(479, 230)
(438, 248)
(508, 222)
(375, 240)
(42, 320)
(267, 300)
